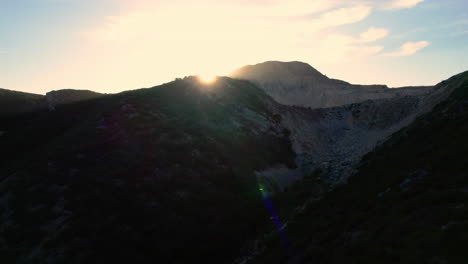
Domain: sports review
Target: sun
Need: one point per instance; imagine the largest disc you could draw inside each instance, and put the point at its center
(207, 78)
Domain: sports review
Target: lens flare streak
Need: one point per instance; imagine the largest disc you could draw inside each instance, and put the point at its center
(274, 216)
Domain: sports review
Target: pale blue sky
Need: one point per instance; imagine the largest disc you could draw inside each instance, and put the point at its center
(115, 45)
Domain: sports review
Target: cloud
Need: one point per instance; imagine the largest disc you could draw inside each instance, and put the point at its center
(341, 47)
(373, 34)
(342, 16)
(409, 48)
(399, 4)
(287, 8)
(260, 8)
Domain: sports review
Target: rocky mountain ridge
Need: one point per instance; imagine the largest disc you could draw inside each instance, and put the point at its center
(333, 140)
(342, 135)
(299, 84)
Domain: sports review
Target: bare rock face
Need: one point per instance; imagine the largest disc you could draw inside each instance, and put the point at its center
(335, 139)
(299, 84)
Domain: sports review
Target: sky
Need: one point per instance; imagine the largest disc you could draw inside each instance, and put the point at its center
(114, 45)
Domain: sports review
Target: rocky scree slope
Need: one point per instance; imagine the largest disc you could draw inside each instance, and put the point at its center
(299, 84)
(333, 140)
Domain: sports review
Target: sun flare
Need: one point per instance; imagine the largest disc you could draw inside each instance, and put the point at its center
(207, 78)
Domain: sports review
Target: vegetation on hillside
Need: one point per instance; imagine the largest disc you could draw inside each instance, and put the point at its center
(162, 174)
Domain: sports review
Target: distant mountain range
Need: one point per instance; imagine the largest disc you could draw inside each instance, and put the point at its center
(181, 173)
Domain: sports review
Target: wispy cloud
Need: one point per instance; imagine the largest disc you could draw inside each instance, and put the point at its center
(343, 16)
(399, 4)
(373, 34)
(347, 47)
(409, 48)
(285, 8)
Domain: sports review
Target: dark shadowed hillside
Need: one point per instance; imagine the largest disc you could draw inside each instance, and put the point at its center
(13, 102)
(68, 96)
(164, 174)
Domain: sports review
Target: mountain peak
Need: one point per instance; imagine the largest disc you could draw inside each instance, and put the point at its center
(298, 83)
(277, 69)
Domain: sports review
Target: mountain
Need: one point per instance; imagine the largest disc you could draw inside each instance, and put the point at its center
(164, 174)
(335, 139)
(191, 172)
(299, 84)
(407, 203)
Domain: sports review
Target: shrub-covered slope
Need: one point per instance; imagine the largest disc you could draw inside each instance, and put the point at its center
(158, 175)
